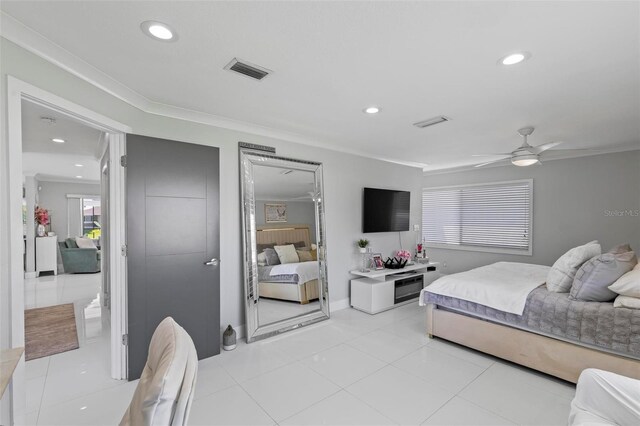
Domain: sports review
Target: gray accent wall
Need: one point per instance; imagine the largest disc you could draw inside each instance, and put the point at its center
(574, 201)
(298, 213)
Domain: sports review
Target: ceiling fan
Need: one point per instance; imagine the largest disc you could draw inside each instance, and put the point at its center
(311, 195)
(525, 155)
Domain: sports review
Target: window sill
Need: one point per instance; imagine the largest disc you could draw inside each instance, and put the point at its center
(496, 250)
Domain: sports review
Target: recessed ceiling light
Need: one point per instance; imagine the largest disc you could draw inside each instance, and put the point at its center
(79, 165)
(514, 58)
(58, 140)
(158, 31)
(372, 110)
(79, 177)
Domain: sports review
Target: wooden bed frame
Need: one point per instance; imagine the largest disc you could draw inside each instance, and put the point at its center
(552, 356)
(280, 234)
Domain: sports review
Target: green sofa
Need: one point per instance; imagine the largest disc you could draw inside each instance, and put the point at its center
(75, 259)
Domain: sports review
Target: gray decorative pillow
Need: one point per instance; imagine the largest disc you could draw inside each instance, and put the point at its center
(597, 274)
(297, 244)
(304, 255)
(272, 257)
(563, 271)
(621, 248)
(262, 247)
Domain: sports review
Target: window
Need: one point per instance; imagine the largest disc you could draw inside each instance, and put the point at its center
(493, 217)
(91, 218)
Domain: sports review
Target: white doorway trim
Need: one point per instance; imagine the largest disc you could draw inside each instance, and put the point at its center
(17, 91)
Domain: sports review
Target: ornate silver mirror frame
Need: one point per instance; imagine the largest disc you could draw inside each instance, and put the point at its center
(249, 160)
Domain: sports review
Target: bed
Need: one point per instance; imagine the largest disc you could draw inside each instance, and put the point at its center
(285, 286)
(542, 330)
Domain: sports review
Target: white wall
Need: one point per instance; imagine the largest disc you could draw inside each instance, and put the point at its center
(570, 202)
(344, 177)
(53, 197)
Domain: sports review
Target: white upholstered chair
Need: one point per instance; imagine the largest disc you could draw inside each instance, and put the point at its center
(605, 398)
(165, 391)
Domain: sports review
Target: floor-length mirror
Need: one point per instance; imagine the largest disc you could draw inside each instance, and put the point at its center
(284, 243)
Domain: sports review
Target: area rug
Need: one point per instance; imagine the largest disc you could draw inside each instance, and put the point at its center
(50, 331)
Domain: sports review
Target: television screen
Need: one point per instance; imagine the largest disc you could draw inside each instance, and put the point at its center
(385, 210)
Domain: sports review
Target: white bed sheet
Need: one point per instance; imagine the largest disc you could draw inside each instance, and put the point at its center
(503, 285)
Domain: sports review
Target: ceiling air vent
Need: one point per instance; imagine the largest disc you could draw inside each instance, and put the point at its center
(245, 68)
(431, 121)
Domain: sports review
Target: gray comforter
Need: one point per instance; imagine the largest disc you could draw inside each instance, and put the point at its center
(264, 276)
(594, 324)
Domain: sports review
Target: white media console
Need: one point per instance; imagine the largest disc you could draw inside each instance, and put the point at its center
(381, 290)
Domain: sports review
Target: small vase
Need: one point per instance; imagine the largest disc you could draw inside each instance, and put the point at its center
(40, 230)
(229, 339)
(363, 250)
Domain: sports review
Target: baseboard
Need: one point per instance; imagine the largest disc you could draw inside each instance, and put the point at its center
(30, 275)
(241, 330)
(337, 305)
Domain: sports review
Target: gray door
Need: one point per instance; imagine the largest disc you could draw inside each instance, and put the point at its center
(173, 230)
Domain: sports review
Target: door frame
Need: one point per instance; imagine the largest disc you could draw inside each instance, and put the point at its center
(17, 91)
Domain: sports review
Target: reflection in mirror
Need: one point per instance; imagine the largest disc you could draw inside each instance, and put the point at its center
(285, 268)
(285, 243)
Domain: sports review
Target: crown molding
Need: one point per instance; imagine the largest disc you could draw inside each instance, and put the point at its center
(35, 43)
(603, 151)
(60, 179)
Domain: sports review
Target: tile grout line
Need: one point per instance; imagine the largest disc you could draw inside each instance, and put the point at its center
(44, 385)
(488, 410)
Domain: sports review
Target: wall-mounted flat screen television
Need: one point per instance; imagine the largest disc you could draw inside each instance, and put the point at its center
(385, 210)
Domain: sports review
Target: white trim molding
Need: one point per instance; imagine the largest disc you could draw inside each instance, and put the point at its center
(577, 154)
(17, 91)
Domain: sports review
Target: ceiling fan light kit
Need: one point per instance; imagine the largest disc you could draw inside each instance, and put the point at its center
(524, 160)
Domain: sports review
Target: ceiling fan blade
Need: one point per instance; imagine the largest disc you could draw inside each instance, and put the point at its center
(490, 162)
(504, 154)
(538, 149)
(569, 151)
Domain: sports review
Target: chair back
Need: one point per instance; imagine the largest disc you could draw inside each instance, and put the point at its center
(165, 390)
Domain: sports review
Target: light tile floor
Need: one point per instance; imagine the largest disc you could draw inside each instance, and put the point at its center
(355, 369)
(272, 310)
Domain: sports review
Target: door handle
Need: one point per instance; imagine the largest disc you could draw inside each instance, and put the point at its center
(212, 262)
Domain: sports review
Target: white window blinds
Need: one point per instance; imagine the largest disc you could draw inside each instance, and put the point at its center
(486, 216)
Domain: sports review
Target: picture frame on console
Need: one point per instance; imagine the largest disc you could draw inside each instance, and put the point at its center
(376, 260)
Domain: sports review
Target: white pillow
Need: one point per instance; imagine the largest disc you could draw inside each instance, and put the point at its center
(83, 242)
(262, 259)
(627, 302)
(562, 272)
(628, 284)
(287, 254)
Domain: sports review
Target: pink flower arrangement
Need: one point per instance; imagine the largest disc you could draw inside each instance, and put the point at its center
(42, 216)
(404, 254)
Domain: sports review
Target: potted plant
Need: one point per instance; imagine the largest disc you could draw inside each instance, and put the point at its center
(362, 244)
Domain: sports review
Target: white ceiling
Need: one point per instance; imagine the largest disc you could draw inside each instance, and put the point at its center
(413, 59)
(57, 161)
(270, 184)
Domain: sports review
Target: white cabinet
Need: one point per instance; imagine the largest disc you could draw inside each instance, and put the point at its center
(382, 290)
(46, 255)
